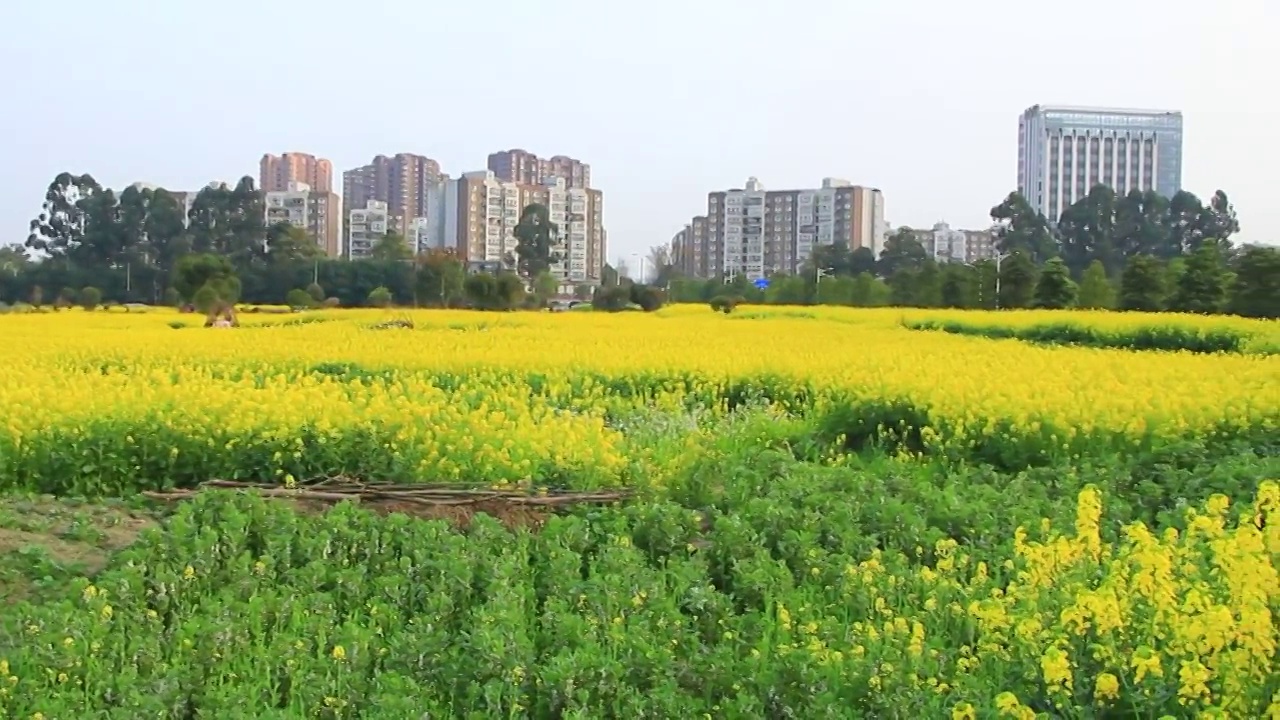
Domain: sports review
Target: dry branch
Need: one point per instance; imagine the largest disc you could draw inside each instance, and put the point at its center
(340, 488)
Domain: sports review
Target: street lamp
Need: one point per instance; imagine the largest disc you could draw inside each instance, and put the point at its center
(999, 256)
(642, 260)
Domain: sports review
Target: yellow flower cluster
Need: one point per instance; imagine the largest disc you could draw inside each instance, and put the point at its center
(1183, 618)
(531, 390)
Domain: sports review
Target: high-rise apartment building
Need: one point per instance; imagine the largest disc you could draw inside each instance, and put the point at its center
(1064, 151)
(689, 249)
(403, 182)
(521, 166)
(476, 216)
(277, 171)
(754, 232)
(318, 212)
(578, 214)
(366, 225)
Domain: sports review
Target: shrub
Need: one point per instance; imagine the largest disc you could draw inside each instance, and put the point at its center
(724, 303)
(647, 297)
(330, 303)
(298, 299)
(611, 299)
(90, 298)
(379, 297)
(171, 297)
(316, 292)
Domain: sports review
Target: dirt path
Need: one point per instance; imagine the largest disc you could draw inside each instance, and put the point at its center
(45, 542)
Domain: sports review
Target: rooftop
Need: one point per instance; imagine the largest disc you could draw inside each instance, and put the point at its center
(1100, 110)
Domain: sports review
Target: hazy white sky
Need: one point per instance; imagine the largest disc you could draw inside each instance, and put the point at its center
(666, 99)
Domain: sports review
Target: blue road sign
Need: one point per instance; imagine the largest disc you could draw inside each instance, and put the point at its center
(762, 283)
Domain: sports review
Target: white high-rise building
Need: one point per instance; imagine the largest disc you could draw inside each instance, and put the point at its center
(1064, 151)
(365, 226)
(317, 212)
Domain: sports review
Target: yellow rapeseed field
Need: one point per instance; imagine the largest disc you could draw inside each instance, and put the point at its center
(757, 580)
(530, 392)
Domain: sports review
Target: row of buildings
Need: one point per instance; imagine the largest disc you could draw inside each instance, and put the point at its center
(756, 232)
(473, 215)
(1063, 152)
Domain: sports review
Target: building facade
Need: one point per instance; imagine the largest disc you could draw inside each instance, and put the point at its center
(366, 225)
(316, 211)
(1063, 151)
(276, 172)
(522, 166)
(403, 182)
(756, 232)
(980, 245)
(946, 244)
(476, 215)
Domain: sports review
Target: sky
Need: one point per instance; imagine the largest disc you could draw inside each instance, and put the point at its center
(666, 99)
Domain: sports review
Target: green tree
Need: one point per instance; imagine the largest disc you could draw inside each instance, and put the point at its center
(202, 270)
(248, 223)
(536, 238)
(1087, 232)
(959, 285)
(316, 292)
(866, 290)
(1256, 289)
(787, 290)
(391, 247)
(1141, 228)
(13, 260)
(545, 288)
(229, 221)
(862, 260)
(902, 252)
(1021, 228)
(205, 299)
(1017, 281)
(165, 233)
(210, 220)
(1184, 225)
(1142, 286)
(834, 291)
(439, 279)
(1202, 287)
(1096, 291)
(985, 284)
(504, 291)
(481, 291)
(63, 224)
(287, 242)
(1220, 221)
(927, 290)
(1055, 290)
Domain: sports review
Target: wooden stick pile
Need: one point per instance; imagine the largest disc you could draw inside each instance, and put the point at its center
(337, 489)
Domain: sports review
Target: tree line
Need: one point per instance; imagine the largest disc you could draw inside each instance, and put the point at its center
(90, 244)
(1138, 251)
